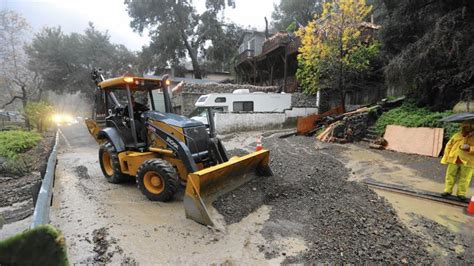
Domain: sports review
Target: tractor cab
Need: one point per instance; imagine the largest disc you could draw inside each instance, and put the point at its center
(126, 103)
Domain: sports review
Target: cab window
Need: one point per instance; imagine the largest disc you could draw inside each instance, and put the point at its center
(220, 100)
(202, 99)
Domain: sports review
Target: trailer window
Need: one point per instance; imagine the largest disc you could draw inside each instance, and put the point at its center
(202, 99)
(243, 106)
(220, 100)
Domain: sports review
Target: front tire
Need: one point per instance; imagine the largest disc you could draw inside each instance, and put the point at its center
(157, 180)
(109, 163)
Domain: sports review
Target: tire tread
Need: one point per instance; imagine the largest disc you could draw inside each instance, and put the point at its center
(169, 174)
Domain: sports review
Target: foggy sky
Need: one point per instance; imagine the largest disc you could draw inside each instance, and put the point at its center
(111, 15)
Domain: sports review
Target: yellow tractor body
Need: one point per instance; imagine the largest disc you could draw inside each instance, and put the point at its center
(163, 150)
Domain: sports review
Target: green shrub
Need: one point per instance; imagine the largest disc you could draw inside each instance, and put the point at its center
(39, 114)
(409, 115)
(15, 142)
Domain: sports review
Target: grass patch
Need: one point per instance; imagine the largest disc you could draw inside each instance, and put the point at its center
(409, 115)
(12, 143)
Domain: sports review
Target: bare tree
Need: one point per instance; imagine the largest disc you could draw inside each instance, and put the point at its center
(19, 82)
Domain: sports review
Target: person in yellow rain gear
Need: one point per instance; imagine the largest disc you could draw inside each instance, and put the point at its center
(459, 156)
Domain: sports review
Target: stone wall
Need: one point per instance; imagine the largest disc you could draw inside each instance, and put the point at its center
(230, 122)
(183, 103)
(207, 88)
(236, 122)
(299, 99)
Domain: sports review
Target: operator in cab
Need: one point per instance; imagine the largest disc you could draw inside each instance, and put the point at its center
(138, 109)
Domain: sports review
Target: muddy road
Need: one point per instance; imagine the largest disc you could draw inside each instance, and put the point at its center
(16, 191)
(312, 210)
(109, 223)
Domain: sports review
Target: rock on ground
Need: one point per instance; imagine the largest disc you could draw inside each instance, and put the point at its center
(341, 221)
(458, 247)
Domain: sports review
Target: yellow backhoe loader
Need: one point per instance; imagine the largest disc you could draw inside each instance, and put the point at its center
(161, 149)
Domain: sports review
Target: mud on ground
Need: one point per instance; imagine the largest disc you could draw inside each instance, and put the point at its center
(308, 213)
(341, 221)
(16, 201)
(447, 247)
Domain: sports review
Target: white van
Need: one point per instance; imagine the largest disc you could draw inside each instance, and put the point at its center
(241, 101)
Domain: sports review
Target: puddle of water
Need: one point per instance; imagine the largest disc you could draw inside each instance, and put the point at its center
(452, 217)
(159, 233)
(367, 164)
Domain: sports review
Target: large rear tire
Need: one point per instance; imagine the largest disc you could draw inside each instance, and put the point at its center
(109, 163)
(157, 180)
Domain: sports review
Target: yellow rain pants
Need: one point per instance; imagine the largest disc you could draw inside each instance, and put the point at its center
(463, 174)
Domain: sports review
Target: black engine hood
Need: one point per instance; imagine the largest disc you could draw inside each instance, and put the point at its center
(171, 119)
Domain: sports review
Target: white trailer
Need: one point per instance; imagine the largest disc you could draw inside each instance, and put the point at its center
(241, 101)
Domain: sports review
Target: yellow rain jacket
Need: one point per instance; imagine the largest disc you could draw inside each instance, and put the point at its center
(453, 150)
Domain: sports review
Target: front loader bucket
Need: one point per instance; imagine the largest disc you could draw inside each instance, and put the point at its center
(201, 185)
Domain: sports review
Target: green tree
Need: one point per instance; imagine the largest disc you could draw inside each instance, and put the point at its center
(334, 46)
(430, 47)
(66, 60)
(18, 82)
(39, 113)
(289, 11)
(223, 48)
(176, 29)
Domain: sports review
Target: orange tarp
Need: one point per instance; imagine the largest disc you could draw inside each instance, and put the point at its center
(305, 124)
(418, 140)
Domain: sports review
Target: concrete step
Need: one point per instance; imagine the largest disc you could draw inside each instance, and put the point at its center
(368, 140)
(372, 135)
(371, 130)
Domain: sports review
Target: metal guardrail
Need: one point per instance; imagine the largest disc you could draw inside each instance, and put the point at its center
(43, 203)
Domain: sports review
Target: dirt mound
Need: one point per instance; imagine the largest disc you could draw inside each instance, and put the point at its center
(311, 199)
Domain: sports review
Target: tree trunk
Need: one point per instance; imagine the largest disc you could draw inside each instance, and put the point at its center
(193, 55)
(39, 126)
(285, 70)
(341, 71)
(196, 68)
(24, 101)
(343, 100)
(40, 94)
(340, 88)
(271, 74)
